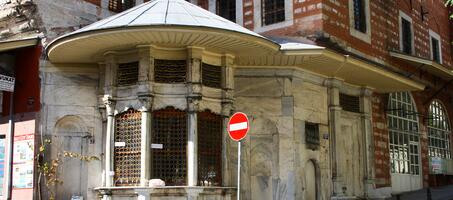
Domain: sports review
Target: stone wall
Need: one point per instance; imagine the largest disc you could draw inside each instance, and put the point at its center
(71, 120)
(279, 103)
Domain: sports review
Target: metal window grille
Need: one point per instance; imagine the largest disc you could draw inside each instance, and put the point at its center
(403, 134)
(127, 148)
(406, 30)
(209, 149)
(227, 9)
(435, 49)
(272, 11)
(170, 162)
(170, 71)
(127, 74)
(438, 131)
(211, 75)
(120, 5)
(312, 135)
(360, 16)
(350, 103)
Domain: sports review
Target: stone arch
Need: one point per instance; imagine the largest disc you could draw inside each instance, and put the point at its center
(70, 124)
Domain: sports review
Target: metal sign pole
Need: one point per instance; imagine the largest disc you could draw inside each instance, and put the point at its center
(239, 171)
(9, 161)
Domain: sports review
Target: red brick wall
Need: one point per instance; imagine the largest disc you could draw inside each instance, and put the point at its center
(95, 2)
(381, 141)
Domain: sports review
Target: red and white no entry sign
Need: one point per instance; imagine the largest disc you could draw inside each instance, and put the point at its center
(238, 126)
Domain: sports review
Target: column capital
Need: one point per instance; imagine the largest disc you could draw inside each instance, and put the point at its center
(366, 92)
(193, 103)
(146, 101)
(109, 103)
(333, 83)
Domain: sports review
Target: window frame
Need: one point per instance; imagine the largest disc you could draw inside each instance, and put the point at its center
(364, 36)
(406, 140)
(406, 17)
(434, 35)
(258, 22)
(445, 132)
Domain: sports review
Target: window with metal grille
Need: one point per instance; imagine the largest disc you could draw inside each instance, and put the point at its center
(170, 71)
(120, 5)
(127, 74)
(360, 16)
(403, 134)
(170, 131)
(227, 9)
(438, 131)
(127, 148)
(211, 75)
(312, 135)
(406, 31)
(209, 149)
(435, 49)
(272, 11)
(350, 103)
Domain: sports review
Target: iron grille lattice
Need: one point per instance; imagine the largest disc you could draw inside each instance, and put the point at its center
(211, 75)
(273, 11)
(170, 162)
(350, 103)
(170, 71)
(312, 135)
(127, 148)
(209, 149)
(127, 73)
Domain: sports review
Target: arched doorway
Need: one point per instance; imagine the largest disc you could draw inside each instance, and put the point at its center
(311, 182)
(404, 140)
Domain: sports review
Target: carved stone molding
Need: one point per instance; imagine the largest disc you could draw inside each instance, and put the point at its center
(109, 105)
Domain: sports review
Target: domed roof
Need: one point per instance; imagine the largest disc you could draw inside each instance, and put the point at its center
(167, 22)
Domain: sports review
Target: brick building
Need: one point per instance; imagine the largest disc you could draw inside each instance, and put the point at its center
(347, 99)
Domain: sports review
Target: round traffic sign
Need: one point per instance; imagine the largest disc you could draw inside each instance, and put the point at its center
(238, 126)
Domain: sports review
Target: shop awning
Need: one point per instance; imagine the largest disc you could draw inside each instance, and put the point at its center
(16, 44)
(425, 64)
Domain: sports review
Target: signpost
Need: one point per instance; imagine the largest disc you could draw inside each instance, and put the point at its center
(7, 84)
(238, 126)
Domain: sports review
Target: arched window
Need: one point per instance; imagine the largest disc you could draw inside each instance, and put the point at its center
(438, 131)
(127, 148)
(169, 162)
(403, 134)
(209, 149)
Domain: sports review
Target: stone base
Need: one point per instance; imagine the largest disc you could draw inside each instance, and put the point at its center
(169, 192)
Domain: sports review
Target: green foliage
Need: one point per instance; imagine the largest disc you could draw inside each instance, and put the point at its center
(449, 3)
(49, 169)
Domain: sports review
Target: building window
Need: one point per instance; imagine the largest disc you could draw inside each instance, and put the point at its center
(170, 71)
(312, 135)
(226, 9)
(406, 34)
(438, 131)
(211, 75)
(436, 54)
(272, 11)
(359, 15)
(169, 130)
(403, 134)
(127, 74)
(350, 103)
(127, 148)
(209, 149)
(120, 5)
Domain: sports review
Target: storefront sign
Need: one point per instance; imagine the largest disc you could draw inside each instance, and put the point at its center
(7, 83)
(436, 165)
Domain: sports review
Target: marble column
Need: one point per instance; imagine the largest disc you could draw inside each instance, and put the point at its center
(145, 159)
(109, 140)
(366, 110)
